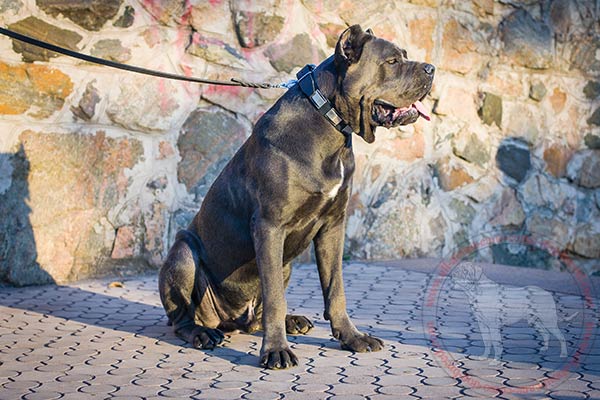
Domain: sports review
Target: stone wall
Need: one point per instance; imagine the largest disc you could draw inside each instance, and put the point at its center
(99, 168)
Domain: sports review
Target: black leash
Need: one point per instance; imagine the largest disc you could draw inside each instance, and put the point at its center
(131, 68)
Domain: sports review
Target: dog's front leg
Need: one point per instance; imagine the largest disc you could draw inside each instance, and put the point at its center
(329, 247)
(268, 244)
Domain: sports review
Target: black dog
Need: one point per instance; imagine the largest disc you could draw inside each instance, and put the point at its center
(289, 185)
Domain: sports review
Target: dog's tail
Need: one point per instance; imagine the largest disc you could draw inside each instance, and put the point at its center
(569, 318)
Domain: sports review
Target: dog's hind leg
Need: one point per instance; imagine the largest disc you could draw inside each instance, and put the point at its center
(183, 291)
(541, 329)
(555, 330)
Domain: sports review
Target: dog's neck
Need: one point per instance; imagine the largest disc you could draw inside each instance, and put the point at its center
(326, 77)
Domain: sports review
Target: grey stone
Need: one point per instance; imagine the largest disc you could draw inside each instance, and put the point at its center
(295, 53)
(526, 41)
(89, 14)
(36, 28)
(513, 158)
(87, 105)
(491, 109)
(591, 90)
(10, 5)
(208, 139)
(126, 20)
(586, 242)
(463, 211)
(592, 141)
(595, 118)
(473, 150)
(145, 104)
(521, 256)
(584, 55)
(584, 168)
(216, 51)
(549, 229)
(168, 12)
(255, 29)
(537, 91)
(565, 19)
(111, 49)
(508, 212)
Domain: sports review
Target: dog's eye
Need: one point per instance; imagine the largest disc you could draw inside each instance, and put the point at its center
(392, 61)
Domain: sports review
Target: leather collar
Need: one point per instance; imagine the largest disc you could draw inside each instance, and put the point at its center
(309, 87)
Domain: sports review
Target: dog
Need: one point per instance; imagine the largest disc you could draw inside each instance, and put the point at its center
(288, 185)
(495, 306)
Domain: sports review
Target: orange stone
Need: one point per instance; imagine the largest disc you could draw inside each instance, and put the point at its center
(452, 177)
(459, 49)
(558, 100)
(421, 35)
(406, 149)
(557, 157)
(25, 85)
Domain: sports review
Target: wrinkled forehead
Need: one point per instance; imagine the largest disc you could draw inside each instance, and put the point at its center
(384, 48)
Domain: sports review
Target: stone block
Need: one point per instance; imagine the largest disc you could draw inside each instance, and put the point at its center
(64, 220)
(452, 175)
(469, 147)
(36, 28)
(591, 90)
(584, 169)
(586, 242)
(255, 29)
(208, 139)
(556, 157)
(145, 104)
(490, 111)
(111, 49)
(86, 107)
(462, 46)
(537, 91)
(514, 159)
(89, 14)
(25, 86)
(296, 53)
(592, 141)
(594, 119)
(126, 19)
(527, 42)
(507, 211)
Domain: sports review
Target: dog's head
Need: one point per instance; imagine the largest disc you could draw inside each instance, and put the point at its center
(466, 276)
(378, 82)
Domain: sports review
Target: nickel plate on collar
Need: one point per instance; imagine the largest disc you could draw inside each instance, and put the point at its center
(333, 117)
(318, 99)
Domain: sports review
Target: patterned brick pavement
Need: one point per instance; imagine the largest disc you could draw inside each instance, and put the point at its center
(91, 340)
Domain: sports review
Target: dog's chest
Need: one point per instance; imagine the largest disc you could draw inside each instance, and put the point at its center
(337, 184)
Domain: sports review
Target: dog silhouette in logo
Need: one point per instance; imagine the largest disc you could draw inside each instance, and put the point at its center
(495, 306)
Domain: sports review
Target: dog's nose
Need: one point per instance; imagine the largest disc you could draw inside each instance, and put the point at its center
(429, 69)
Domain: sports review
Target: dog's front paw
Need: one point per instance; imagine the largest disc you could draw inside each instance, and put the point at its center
(297, 324)
(206, 338)
(278, 359)
(362, 343)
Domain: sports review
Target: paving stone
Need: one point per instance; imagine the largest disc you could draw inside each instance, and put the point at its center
(143, 359)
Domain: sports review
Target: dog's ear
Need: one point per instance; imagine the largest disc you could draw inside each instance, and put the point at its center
(349, 46)
(366, 130)
(370, 32)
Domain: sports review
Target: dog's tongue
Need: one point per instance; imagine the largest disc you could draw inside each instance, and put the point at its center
(421, 109)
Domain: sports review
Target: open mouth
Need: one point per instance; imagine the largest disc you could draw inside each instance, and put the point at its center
(388, 115)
